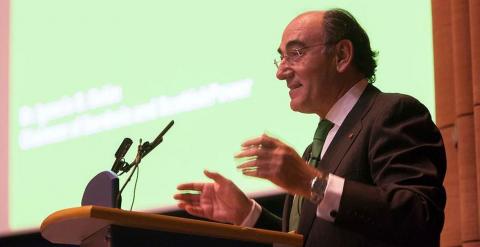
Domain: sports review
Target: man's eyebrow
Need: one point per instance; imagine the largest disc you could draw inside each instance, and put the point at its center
(291, 43)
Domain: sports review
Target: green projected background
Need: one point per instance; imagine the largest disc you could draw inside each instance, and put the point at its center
(85, 74)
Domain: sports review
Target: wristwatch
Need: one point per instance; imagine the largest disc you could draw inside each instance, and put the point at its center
(317, 188)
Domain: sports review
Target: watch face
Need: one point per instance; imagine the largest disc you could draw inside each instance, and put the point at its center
(318, 189)
(315, 198)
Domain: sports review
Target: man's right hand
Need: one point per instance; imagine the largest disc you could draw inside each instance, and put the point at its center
(221, 200)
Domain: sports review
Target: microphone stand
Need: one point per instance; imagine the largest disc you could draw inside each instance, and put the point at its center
(142, 151)
(134, 164)
(146, 148)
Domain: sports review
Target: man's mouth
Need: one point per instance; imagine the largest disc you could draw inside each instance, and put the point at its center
(293, 87)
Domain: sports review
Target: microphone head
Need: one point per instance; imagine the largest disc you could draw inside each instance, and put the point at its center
(123, 148)
(147, 147)
(159, 138)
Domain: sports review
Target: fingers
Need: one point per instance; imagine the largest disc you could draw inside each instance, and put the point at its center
(193, 199)
(215, 176)
(250, 152)
(252, 142)
(251, 173)
(194, 210)
(191, 186)
(256, 148)
(248, 165)
(263, 140)
(182, 205)
(249, 168)
(189, 198)
(257, 152)
(254, 168)
(186, 200)
(200, 186)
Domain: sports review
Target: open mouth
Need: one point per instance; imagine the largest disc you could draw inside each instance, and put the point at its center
(293, 87)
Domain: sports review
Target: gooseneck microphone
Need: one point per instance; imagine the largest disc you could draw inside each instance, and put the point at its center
(143, 150)
(147, 146)
(120, 154)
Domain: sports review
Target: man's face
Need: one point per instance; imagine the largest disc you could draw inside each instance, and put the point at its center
(309, 76)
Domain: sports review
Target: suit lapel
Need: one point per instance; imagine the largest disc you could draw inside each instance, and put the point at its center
(348, 132)
(340, 144)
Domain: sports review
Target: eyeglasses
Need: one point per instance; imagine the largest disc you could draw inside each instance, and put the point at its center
(293, 55)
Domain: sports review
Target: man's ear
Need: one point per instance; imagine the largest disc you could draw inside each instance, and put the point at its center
(343, 55)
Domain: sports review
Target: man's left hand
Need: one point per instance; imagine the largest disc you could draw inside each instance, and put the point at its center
(269, 158)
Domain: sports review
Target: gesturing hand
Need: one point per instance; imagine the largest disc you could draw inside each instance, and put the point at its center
(272, 159)
(221, 200)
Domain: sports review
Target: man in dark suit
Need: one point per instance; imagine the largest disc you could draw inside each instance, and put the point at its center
(374, 172)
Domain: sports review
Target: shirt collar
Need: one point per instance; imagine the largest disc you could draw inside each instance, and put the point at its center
(344, 105)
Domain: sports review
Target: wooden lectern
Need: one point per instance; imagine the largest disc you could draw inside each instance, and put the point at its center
(103, 226)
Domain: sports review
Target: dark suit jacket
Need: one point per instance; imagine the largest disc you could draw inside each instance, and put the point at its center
(392, 157)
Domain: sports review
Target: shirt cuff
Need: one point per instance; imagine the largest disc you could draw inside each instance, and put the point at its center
(327, 209)
(253, 216)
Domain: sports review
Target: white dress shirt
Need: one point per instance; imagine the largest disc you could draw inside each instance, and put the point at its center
(334, 189)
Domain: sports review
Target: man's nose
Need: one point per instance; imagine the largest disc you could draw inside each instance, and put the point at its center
(284, 71)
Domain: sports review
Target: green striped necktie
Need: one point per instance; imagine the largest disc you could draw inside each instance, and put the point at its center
(318, 140)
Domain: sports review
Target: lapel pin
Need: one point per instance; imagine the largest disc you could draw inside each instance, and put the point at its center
(350, 136)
